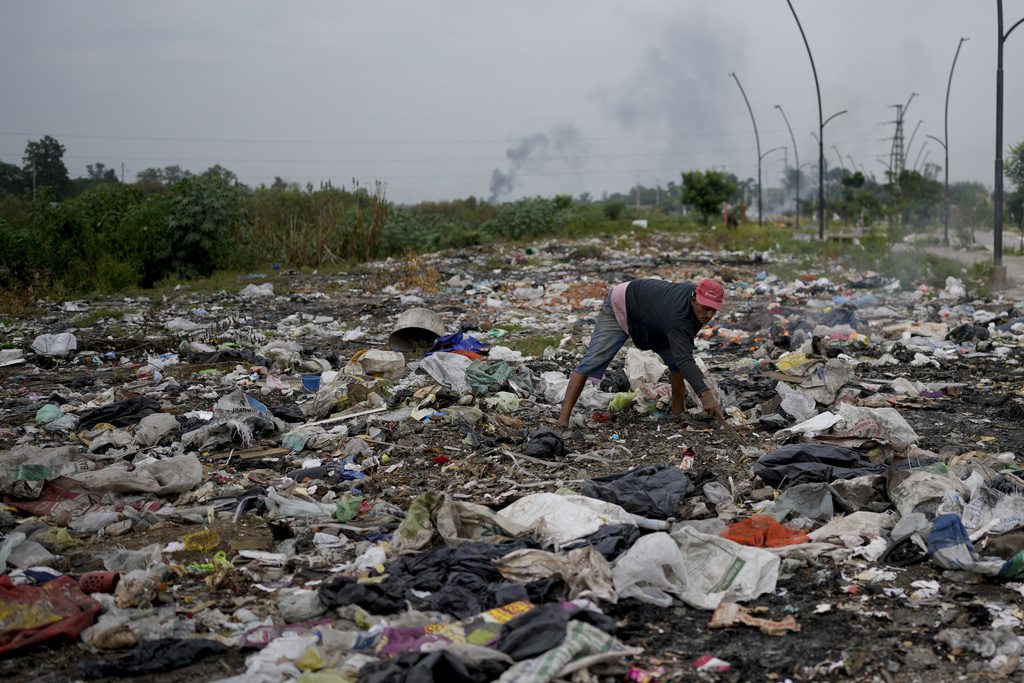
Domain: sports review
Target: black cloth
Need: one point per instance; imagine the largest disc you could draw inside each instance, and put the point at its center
(154, 656)
(534, 633)
(660, 316)
(226, 356)
(289, 412)
(809, 463)
(545, 442)
(462, 581)
(614, 381)
(611, 540)
(649, 491)
(120, 414)
(430, 667)
(386, 597)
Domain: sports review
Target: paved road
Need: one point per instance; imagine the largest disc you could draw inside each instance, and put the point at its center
(1014, 264)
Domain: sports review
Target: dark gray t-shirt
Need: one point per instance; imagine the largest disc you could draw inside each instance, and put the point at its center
(660, 316)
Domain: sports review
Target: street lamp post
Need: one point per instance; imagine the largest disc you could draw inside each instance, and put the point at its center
(920, 151)
(910, 143)
(998, 269)
(821, 128)
(841, 164)
(796, 156)
(757, 141)
(945, 147)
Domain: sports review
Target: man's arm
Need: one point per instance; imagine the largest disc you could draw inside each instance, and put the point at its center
(681, 344)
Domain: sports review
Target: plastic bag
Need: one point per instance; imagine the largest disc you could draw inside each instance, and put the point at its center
(796, 402)
(561, 519)
(703, 570)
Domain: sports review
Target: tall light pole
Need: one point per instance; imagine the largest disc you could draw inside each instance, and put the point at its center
(945, 147)
(757, 141)
(998, 269)
(910, 143)
(841, 164)
(919, 152)
(796, 156)
(822, 170)
(821, 129)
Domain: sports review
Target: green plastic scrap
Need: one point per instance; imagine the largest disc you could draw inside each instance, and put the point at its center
(483, 377)
(295, 442)
(48, 414)
(347, 507)
(622, 400)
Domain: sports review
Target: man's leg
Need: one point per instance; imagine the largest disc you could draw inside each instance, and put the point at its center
(572, 394)
(605, 342)
(678, 392)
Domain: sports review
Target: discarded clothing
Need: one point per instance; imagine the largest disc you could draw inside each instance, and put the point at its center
(650, 491)
(120, 414)
(428, 667)
(154, 656)
(545, 442)
(534, 633)
(809, 463)
(610, 540)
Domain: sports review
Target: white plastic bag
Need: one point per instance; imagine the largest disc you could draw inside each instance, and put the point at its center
(700, 569)
(561, 519)
(55, 344)
(448, 369)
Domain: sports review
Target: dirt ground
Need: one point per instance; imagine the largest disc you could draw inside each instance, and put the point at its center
(851, 629)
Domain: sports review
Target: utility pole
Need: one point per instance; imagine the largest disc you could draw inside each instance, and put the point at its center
(897, 141)
(122, 173)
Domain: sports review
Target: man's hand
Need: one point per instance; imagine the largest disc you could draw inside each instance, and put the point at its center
(710, 405)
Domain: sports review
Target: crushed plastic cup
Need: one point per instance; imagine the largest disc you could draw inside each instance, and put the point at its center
(311, 383)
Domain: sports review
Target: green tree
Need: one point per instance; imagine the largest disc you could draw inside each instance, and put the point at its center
(1013, 167)
(43, 164)
(12, 179)
(706, 191)
(101, 173)
(1014, 170)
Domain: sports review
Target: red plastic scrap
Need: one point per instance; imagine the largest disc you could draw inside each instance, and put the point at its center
(711, 663)
(34, 614)
(763, 531)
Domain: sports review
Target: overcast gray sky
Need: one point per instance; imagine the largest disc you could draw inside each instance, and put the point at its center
(442, 99)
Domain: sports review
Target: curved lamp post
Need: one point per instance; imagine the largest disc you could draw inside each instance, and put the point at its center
(757, 141)
(796, 156)
(821, 130)
(945, 147)
(842, 165)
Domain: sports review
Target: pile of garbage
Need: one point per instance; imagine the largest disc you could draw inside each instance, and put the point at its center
(355, 482)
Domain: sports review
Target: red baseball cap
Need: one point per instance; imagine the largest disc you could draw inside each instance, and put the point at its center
(710, 294)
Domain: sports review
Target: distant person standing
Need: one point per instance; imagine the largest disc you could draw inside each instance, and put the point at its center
(661, 316)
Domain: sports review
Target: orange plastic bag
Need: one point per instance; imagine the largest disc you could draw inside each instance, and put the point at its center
(763, 531)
